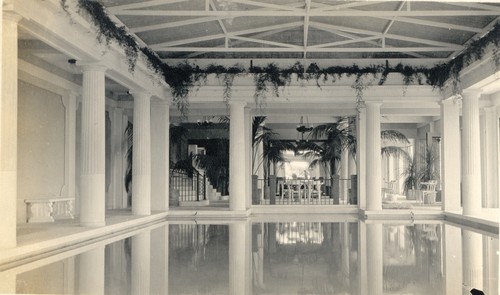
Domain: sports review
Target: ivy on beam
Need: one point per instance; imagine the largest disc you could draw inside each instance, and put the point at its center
(184, 77)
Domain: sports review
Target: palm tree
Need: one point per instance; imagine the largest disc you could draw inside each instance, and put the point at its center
(340, 137)
(273, 148)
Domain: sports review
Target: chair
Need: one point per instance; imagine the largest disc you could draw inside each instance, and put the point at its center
(428, 190)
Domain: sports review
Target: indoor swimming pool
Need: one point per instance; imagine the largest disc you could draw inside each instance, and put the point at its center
(245, 256)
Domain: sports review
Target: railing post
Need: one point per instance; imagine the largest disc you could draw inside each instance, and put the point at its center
(204, 186)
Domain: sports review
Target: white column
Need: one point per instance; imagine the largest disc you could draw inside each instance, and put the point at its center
(248, 157)
(351, 164)
(141, 157)
(159, 265)
(237, 169)
(70, 103)
(8, 130)
(91, 272)
(471, 157)
(491, 157)
(237, 257)
(472, 255)
(117, 189)
(374, 257)
(160, 144)
(450, 152)
(93, 150)
(361, 157)
(141, 263)
(452, 239)
(373, 157)
(344, 175)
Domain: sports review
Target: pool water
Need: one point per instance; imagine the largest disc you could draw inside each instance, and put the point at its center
(249, 257)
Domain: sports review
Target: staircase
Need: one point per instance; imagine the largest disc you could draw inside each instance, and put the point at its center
(194, 190)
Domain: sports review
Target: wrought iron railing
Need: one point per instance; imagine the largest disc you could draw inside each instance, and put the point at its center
(191, 186)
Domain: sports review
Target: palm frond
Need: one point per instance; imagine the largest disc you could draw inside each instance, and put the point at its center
(396, 151)
(394, 136)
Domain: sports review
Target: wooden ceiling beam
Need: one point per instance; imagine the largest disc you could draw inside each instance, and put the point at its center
(274, 13)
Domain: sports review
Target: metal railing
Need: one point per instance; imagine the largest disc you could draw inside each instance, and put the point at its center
(190, 187)
(302, 192)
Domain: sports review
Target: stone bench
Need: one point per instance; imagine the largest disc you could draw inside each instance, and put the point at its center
(49, 209)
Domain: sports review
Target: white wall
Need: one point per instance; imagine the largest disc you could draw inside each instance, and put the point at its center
(41, 121)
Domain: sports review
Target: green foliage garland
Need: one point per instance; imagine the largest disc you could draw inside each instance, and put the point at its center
(182, 78)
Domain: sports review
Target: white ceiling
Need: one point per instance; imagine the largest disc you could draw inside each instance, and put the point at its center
(304, 29)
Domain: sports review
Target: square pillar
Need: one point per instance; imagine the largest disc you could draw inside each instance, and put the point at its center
(160, 145)
(373, 157)
(450, 162)
(490, 152)
(8, 130)
(361, 157)
(141, 156)
(237, 162)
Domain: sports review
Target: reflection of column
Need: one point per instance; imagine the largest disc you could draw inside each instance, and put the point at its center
(490, 260)
(374, 258)
(471, 155)
(361, 157)
(159, 265)
(93, 150)
(141, 261)
(237, 258)
(452, 240)
(345, 249)
(450, 167)
(7, 283)
(472, 255)
(373, 158)
(141, 160)
(257, 255)
(491, 157)
(160, 144)
(362, 258)
(237, 169)
(91, 272)
(116, 266)
(8, 130)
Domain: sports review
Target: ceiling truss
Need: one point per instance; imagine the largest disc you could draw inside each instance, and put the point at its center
(305, 14)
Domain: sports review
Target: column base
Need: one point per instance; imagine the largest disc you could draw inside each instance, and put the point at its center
(92, 201)
(141, 194)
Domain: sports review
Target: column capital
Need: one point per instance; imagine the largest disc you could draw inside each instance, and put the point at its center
(140, 94)
(237, 102)
(161, 103)
(495, 98)
(451, 100)
(9, 15)
(373, 103)
(94, 67)
(472, 93)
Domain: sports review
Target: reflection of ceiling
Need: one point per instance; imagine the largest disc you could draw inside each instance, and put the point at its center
(313, 29)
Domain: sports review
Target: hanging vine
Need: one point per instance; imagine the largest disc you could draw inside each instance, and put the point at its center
(184, 77)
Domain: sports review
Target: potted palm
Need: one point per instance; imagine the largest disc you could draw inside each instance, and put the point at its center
(411, 179)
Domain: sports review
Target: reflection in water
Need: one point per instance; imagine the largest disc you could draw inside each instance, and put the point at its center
(354, 258)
